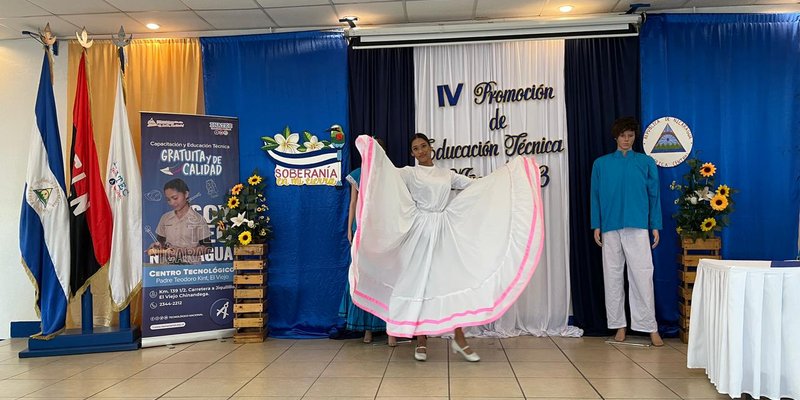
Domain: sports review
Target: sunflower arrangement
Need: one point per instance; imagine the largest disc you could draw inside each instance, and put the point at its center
(703, 207)
(242, 220)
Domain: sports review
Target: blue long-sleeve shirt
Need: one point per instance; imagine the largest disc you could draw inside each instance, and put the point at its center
(625, 192)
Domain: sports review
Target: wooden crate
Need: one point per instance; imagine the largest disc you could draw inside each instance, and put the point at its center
(685, 294)
(684, 335)
(249, 322)
(248, 279)
(250, 335)
(250, 250)
(712, 244)
(687, 277)
(693, 252)
(252, 265)
(685, 309)
(254, 307)
(250, 294)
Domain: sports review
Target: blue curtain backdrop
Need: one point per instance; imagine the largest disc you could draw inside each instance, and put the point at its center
(601, 77)
(299, 80)
(734, 79)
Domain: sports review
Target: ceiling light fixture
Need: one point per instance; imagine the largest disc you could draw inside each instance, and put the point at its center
(565, 9)
(350, 20)
(153, 26)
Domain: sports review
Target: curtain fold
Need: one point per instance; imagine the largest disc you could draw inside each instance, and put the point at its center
(602, 84)
(734, 79)
(162, 75)
(382, 100)
(542, 308)
(295, 80)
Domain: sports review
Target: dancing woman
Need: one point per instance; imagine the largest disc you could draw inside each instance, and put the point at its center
(430, 263)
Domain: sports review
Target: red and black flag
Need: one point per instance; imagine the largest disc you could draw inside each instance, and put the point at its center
(90, 217)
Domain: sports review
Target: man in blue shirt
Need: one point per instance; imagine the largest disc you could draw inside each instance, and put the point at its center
(626, 204)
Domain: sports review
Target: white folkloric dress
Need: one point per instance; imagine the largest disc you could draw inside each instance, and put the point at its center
(426, 264)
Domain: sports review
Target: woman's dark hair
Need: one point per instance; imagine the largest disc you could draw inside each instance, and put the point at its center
(177, 184)
(624, 124)
(416, 136)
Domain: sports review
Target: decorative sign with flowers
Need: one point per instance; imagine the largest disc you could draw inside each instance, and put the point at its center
(242, 220)
(308, 162)
(703, 208)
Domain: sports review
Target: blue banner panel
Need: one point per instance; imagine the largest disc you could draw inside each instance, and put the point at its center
(189, 162)
(181, 299)
(289, 90)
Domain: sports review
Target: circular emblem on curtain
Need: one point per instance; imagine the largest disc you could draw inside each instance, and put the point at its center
(668, 140)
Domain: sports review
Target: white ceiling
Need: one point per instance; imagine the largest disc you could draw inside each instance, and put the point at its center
(103, 17)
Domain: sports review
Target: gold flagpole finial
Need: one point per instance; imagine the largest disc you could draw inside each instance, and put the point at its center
(83, 38)
(47, 36)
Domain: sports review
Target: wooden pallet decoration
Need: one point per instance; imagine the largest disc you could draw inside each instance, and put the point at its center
(250, 293)
(693, 252)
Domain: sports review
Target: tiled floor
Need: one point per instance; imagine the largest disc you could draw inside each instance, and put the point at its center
(523, 367)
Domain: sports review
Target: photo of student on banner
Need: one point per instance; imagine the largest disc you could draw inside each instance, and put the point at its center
(183, 235)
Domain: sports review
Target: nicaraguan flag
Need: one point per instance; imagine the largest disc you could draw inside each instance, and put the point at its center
(90, 222)
(124, 189)
(44, 219)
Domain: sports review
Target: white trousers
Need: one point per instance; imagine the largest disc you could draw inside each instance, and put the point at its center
(631, 246)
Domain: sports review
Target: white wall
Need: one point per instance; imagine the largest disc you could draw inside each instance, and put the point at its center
(20, 67)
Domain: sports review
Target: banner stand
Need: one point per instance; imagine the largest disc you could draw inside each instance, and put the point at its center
(88, 339)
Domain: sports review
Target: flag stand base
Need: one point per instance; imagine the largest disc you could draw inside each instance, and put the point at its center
(88, 339)
(75, 341)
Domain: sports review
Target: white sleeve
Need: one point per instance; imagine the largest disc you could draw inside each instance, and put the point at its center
(458, 181)
(407, 173)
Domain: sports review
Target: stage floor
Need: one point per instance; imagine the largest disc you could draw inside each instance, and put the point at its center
(586, 368)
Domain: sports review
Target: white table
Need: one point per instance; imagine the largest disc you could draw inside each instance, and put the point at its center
(745, 328)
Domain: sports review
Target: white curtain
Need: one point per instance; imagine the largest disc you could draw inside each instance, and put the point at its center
(544, 307)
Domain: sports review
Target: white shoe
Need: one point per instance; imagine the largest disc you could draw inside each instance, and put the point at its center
(420, 356)
(474, 357)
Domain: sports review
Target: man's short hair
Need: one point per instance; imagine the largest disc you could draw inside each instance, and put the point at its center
(624, 124)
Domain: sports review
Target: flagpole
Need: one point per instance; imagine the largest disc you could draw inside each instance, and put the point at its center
(59, 341)
(87, 318)
(120, 40)
(87, 307)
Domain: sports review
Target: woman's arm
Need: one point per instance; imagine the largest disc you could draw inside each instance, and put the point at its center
(351, 213)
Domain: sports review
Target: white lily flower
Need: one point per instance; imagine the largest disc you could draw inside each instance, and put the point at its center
(288, 145)
(691, 199)
(705, 194)
(314, 144)
(251, 224)
(238, 220)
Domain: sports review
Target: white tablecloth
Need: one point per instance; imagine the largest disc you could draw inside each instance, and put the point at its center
(745, 328)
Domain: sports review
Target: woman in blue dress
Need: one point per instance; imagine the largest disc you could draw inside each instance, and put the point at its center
(355, 318)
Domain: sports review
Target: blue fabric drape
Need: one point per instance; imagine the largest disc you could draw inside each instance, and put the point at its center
(602, 84)
(382, 99)
(299, 80)
(734, 79)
